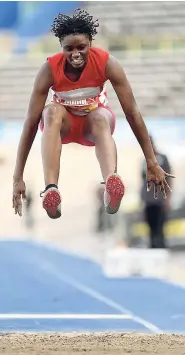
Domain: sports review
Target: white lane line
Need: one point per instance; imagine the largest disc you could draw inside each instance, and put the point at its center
(49, 268)
(63, 316)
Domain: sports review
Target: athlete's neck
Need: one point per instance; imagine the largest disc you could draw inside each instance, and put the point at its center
(73, 73)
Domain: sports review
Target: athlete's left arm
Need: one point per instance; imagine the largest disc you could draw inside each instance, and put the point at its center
(115, 73)
(121, 85)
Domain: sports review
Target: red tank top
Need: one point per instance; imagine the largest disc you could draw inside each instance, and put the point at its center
(85, 94)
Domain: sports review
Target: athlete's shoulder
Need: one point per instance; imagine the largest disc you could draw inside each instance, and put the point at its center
(98, 59)
(55, 58)
(99, 56)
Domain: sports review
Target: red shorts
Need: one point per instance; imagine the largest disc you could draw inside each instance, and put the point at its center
(76, 134)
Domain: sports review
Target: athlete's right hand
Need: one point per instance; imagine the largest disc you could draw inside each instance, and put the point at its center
(19, 194)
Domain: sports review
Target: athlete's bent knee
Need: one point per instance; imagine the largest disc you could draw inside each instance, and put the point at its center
(53, 114)
(98, 123)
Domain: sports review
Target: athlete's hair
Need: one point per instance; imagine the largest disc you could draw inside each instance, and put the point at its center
(79, 23)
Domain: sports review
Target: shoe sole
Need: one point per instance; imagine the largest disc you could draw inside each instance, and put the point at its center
(116, 190)
(52, 203)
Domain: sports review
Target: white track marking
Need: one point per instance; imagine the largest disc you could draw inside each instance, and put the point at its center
(49, 268)
(63, 316)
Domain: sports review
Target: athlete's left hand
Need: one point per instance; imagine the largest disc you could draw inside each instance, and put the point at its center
(157, 176)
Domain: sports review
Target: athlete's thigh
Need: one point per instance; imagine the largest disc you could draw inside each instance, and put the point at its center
(61, 113)
(103, 113)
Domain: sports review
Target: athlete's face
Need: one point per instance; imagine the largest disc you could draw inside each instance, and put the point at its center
(76, 49)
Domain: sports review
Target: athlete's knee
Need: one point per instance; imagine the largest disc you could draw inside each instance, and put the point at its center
(98, 122)
(54, 114)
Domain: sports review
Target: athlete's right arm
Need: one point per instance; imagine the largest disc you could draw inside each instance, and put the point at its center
(42, 84)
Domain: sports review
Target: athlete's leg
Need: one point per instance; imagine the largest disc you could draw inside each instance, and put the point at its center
(56, 126)
(98, 129)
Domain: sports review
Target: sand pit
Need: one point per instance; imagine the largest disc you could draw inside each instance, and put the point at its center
(92, 343)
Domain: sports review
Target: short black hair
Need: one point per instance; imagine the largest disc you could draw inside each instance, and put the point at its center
(79, 23)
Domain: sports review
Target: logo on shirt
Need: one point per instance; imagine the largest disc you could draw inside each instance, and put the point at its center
(75, 102)
(81, 101)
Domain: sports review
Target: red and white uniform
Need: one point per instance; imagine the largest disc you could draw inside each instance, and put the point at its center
(82, 96)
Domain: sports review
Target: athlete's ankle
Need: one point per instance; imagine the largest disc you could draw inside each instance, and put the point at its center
(50, 186)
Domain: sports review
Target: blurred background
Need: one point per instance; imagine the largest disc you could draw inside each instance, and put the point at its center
(148, 38)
